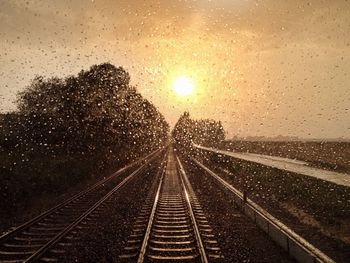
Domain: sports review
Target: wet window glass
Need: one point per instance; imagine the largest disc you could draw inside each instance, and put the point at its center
(174, 130)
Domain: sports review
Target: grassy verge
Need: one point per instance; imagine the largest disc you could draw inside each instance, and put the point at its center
(327, 202)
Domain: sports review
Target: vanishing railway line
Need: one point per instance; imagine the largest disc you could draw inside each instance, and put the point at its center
(174, 228)
(169, 223)
(45, 237)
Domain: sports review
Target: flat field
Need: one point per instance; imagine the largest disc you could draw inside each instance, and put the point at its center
(328, 155)
(317, 210)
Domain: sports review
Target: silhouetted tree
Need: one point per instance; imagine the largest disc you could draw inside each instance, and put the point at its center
(203, 132)
(68, 129)
(95, 112)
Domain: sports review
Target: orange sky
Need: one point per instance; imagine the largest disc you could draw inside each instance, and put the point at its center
(262, 67)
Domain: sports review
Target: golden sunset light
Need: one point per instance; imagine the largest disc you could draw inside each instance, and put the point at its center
(183, 86)
(217, 44)
(175, 130)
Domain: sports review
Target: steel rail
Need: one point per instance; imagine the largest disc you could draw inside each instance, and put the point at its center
(141, 257)
(60, 235)
(9, 234)
(186, 185)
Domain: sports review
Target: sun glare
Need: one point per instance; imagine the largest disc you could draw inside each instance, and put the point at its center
(183, 86)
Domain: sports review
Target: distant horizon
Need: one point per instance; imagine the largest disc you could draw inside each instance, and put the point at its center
(286, 138)
(254, 137)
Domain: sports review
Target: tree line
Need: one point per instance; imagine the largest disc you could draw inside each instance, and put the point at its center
(204, 132)
(95, 119)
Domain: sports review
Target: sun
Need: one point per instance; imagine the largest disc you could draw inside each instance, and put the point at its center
(183, 86)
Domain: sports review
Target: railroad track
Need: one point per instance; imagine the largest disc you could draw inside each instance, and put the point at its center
(174, 227)
(46, 237)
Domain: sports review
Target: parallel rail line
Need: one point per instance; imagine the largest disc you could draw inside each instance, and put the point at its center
(31, 240)
(174, 227)
(141, 257)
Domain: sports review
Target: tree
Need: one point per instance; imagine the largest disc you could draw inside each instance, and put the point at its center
(97, 111)
(204, 132)
(68, 129)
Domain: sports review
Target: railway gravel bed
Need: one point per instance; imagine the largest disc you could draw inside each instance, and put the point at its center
(52, 233)
(240, 239)
(172, 226)
(36, 205)
(45, 201)
(47, 236)
(104, 241)
(292, 198)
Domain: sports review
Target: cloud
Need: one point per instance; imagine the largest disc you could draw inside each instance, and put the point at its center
(253, 60)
